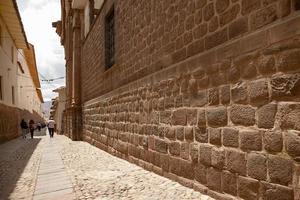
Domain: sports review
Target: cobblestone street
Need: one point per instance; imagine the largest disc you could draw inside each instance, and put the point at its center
(93, 173)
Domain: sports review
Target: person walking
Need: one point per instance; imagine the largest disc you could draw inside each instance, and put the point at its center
(39, 126)
(24, 128)
(31, 128)
(51, 126)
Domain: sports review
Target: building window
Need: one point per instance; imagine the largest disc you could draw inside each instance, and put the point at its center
(109, 39)
(1, 94)
(13, 95)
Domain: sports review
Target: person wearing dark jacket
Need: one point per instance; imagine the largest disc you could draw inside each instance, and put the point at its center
(24, 128)
(31, 128)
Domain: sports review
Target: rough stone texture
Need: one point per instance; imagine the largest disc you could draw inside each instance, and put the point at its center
(276, 192)
(280, 170)
(248, 188)
(257, 166)
(273, 141)
(230, 137)
(266, 116)
(236, 161)
(217, 117)
(292, 143)
(184, 68)
(242, 115)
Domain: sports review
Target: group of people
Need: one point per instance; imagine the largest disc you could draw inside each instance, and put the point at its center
(31, 126)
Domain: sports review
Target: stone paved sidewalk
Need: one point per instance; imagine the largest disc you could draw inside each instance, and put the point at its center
(44, 168)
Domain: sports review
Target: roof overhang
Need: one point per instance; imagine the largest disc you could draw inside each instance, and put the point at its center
(79, 4)
(31, 61)
(11, 16)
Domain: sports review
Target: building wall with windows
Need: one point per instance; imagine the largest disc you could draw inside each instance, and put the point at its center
(20, 95)
(203, 92)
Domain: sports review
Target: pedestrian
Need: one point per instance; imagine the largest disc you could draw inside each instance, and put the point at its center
(51, 126)
(31, 128)
(24, 128)
(39, 126)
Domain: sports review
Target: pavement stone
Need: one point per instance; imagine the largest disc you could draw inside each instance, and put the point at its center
(58, 168)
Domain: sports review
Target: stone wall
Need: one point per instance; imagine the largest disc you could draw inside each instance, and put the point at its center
(10, 119)
(203, 92)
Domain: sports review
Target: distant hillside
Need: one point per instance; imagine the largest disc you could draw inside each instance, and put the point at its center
(46, 108)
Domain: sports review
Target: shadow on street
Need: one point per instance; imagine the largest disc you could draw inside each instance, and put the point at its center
(14, 156)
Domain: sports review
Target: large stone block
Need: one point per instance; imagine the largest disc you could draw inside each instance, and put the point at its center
(192, 116)
(200, 173)
(259, 92)
(236, 161)
(285, 86)
(217, 117)
(213, 96)
(251, 140)
(185, 150)
(174, 148)
(292, 143)
(238, 27)
(221, 5)
(218, 158)
(280, 170)
(201, 118)
(257, 166)
(161, 146)
(239, 93)
(214, 179)
(205, 154)
(276, 192)
(242, 115)
(229, 15)
(215, 136)
(250, 5)
(189, 134)
(266, 116)
(180, 133)
(229, 183)
(289, 61)
(288, 116)
(248, 188)
(273, 141)
(230, 137)
(201, 134)
(263, 17)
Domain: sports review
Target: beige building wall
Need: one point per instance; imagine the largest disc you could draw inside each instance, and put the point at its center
(28, 97)
(8, 67)
(61, 105)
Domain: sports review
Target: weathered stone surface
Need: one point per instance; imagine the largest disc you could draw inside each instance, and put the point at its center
(234, 74)
(217, 117)
(229, 183)
(276, 192)
(257, 166)
(251, 140)
(263, 17)
(214, 179)
(248, 188)
(179, 133)
(192, 116)
(200, 173)
(247, 65)
(273, 141)
(189, 133)
(285, 86)
(266, 65)
(170, 134)
(259, 92)
(214, 136)
(242, 115)
(280, 170)
(213, 24)
(208, 11)
(230, 137)
(221, 5)
(229, 15)
(179, 117)
(201, 134)
(292, 143)
(174, 148)
(205, 154)
(239, 93)
(238, 27)
(266, 116)
(289, 61)
(161, 146)
(236, 161)
(288, 114)
(194, 152)
(213, 96)
(216, 39)
(225, 94)
(250, 5)
(218, 158)
(185, 150)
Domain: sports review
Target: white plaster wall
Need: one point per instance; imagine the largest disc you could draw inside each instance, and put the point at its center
(8, 68)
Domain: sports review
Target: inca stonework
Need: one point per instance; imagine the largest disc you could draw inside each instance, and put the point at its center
(204, 92)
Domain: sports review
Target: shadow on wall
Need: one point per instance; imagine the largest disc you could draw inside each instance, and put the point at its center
(14, 156)
(10, 118)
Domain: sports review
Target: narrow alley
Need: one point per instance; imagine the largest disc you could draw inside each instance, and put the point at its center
(59, 168)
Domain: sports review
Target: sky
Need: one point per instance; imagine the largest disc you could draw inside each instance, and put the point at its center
(37, 17)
